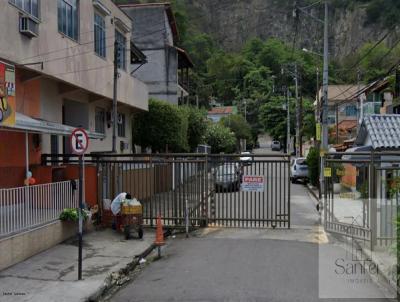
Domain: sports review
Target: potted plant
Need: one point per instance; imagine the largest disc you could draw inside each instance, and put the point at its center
(71, 216)
(336, 177)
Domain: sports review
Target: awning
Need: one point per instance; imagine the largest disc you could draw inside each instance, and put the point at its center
(34, 125)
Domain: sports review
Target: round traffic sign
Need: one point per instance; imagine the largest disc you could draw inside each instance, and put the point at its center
(79, 141)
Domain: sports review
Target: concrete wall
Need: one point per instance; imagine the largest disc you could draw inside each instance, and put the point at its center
(150, 26)
(24, 245)
(52, 103)
(153, 35)
(66, 60)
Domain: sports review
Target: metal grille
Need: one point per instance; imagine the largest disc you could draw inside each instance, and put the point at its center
(208, 189)
(232, 206)
(27, 207)
(362, 196)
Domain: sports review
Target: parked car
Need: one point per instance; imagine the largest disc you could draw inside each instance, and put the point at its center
(228, 177)
(246, 158)
(299, 170)
(275, 146)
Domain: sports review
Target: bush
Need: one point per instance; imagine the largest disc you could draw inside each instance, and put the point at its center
(220, 138)
(197, 126)
(313, 166)
(163, 125)
(239, 126)
(71, 214)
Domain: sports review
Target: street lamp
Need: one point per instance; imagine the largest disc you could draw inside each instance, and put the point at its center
(312, 52)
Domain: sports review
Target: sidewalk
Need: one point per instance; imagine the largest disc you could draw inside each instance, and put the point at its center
(52, 275)
(345, 208)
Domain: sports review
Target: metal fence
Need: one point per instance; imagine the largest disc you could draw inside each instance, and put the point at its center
(362, 196)
(28, 207)
(206, 188)
(234, 205)
(169, 186)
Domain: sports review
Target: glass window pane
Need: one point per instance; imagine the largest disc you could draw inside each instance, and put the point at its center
(27, 6)
(18, 3)
(35, 8)
(75, 22)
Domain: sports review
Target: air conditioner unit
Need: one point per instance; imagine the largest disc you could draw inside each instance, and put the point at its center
(28, 26)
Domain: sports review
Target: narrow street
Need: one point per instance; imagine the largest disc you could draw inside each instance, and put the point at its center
(229, 264)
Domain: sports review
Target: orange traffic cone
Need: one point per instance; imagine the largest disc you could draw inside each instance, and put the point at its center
(159, 233)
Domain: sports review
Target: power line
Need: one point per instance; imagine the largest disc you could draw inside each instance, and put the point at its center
(154, 25)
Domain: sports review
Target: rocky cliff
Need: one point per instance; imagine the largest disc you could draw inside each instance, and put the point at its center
(233, 22)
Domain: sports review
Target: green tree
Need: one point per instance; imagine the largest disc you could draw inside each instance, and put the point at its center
(220, 138)
(239, 126)
(313, 166)
(164, 125)
(273, 117)
(197, 126)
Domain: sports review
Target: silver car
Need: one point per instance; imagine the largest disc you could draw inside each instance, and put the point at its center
(228, 177)
(275, 146)
(299, 170)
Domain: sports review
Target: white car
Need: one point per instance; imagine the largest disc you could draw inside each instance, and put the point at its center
(246, 158)
(275, 146)
(298, 170)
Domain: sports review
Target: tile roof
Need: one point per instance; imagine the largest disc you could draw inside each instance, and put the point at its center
(347, 124)
(383, 130)
(223, 110)
(340, 93)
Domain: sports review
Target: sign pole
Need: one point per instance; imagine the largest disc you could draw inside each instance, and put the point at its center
(79, 143)
(80, 216)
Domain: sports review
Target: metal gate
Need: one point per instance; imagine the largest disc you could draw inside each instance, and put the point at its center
(206, 190)
(362, 196)
(251, 192)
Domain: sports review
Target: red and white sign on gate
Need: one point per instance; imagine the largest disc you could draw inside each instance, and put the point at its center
(252, 183)
(79, 141)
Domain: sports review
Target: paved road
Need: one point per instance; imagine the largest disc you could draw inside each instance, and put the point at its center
(226, 264)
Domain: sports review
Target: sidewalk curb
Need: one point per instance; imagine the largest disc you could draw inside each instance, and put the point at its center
(311, 191)
(119, 277)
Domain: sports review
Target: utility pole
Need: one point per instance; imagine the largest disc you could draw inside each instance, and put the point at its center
(288, 121)
(115, 107)
(324, 145)
(245, 110)
(298, 113)
(360, 101)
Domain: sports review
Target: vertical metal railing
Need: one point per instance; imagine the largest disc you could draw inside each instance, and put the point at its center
(24, 208)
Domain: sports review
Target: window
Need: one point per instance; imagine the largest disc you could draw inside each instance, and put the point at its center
(99, 35)
(99, 120)
(121, 125)
(121, 50)
(351, 110)
(29, 6)
(68, 18)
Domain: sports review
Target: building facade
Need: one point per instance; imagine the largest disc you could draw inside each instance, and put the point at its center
(155, 33)
(59, 56)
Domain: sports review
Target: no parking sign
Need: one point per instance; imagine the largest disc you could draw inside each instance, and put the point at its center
(79, 141)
